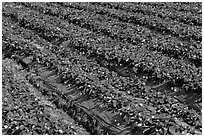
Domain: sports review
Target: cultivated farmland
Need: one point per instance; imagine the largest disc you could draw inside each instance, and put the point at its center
(101, 68)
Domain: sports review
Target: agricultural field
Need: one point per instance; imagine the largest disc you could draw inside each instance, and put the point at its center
(101, 68)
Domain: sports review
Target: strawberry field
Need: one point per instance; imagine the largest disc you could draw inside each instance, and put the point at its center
(101, 68)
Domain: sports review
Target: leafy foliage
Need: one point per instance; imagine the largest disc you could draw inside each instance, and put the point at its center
(88, 75)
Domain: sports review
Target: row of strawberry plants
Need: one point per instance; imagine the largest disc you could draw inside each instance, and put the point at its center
(25, 111)
(109, 41)
(134, 34)
(16, 32)
(171, 131)
(58, 51)
(141, 119)
(191, 7)
(50, 61)
(189, 18)
(26, 34)
(74, 71)
(53, 97)
(166, 68)
(166, 27)
(68, 43)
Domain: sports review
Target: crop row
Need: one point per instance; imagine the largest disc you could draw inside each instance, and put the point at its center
(114, 99)
(47, 60)
(25, 111)
(110, 64)
(189, 18)
(29, 35)
(55, 49)
(164, 67)
(53, 12)
(192, 7)
(64, 51)
(72, 67)
(155, 23)
(133, 34)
